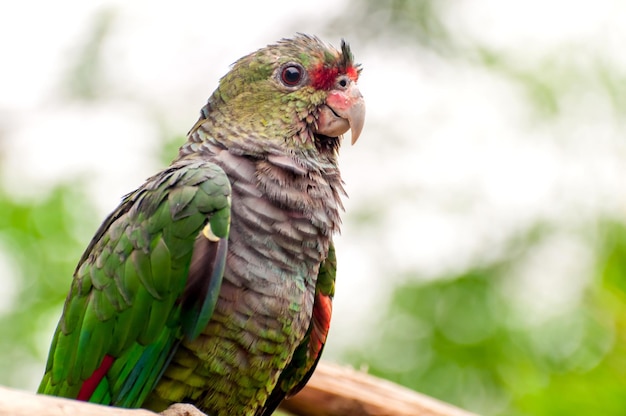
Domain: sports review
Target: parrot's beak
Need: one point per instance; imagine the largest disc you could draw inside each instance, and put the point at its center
(344, 110)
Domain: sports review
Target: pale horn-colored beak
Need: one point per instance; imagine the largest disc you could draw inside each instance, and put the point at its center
(344, 110)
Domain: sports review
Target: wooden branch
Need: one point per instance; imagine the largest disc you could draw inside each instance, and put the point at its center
(332, 391)
(339, 391)
(20, 403)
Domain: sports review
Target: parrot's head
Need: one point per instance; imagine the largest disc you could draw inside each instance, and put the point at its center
(298, 94)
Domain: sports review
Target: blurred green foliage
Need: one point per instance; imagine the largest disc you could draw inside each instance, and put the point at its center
(460, 338)
(85, 77)
(41, 240)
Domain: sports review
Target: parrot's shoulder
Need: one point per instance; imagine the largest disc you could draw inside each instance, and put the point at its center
(185, 188)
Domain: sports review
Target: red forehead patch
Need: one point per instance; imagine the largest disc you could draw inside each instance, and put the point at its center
(352, 73)
(323, 77)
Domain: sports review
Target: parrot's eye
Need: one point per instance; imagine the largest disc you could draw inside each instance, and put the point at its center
(292, 75)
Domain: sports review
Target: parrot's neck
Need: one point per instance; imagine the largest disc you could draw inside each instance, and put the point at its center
(300, 179)
(307, 186)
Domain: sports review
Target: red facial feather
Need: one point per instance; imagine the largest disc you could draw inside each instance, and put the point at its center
(352, 73)
(323, 77)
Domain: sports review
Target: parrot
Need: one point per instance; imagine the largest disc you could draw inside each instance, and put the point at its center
(212, 283)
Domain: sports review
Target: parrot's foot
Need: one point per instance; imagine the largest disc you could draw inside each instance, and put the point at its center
(182, 409)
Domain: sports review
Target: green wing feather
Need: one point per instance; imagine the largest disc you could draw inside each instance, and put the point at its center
(125, 300)
(306, 356)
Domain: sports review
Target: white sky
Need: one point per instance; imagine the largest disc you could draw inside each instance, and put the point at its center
(456, 156)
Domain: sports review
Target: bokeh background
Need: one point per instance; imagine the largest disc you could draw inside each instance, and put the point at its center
(483, 254)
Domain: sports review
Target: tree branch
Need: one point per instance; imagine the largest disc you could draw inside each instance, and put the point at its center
(21, 403)
(339, 391)
(332, 391)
